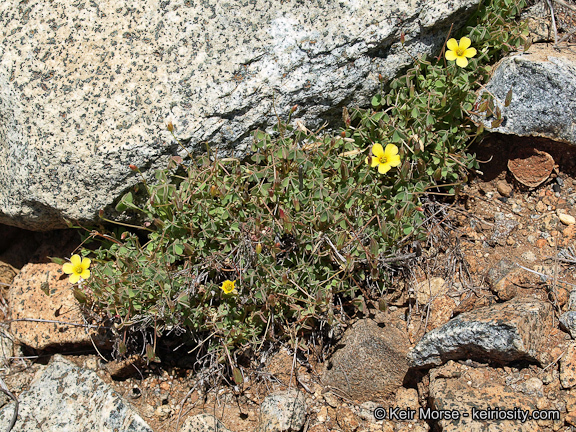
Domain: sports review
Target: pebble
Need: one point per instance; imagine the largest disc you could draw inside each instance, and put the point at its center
(504, 188)
(566, 219)
(163, 411)
(529, 256)
(541, 207)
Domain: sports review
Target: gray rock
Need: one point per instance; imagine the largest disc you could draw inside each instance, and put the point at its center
(372, 364)
(505, 332)
(66, 398)
(568, 322)
(203, 423)
(543, 83)
(86, 88)
(282, 412)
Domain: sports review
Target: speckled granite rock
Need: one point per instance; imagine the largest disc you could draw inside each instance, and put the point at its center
(543, 83)
(65, 398)
(372, 363)
(460, 388)
(282, 412)
(568, 367)
(28, 300)
(203, 423)
(85, 88)
(505, 332)
(568, 322)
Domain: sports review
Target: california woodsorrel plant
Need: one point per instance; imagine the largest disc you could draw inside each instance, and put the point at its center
(234, 252)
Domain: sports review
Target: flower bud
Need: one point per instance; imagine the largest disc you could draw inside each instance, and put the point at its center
(214, 191)
(294, 108)
(170, 127)
(259, 248)
(133, 167)
(402, 38)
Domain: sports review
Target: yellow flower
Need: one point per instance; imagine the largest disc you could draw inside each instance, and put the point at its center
(384, 158)
(77, 268)
(459, 51)
(228, 287)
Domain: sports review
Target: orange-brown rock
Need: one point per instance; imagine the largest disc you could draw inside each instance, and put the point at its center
(42, 320)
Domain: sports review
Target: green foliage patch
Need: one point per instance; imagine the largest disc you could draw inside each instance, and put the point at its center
(304, 226)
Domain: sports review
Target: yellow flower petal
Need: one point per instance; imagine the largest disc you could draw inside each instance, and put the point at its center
(450, 55)
(394, 160)
(377, 150)
(464, 43)
(452, 45)
(85, 274)
(470, 52)
(390, 151)
(75, 260)
(74, 278)
(85, 264)
(462, 61)
(68, 268)
(384, 168)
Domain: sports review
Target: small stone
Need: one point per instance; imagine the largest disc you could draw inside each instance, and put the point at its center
(347, 420)
(568, 368)
(147, 410)
(430, 289)
(566, 219)
(541, 243)
(322, 415)
(504, 188)
(568, 322)
(331, 400)
(282, 412)
(367, 411)
(202, 423)
(541, 207)
(529, 256)
(163, 411)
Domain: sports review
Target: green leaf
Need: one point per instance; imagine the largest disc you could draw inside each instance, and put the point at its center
(238, 378)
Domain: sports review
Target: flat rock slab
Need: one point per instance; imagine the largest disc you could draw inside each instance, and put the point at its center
(66, 398)
(543, 84)
(371, 364)
(86, 88)
(42, 297)
(506, 332)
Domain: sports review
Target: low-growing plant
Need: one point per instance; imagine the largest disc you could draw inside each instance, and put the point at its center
(303, 229)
